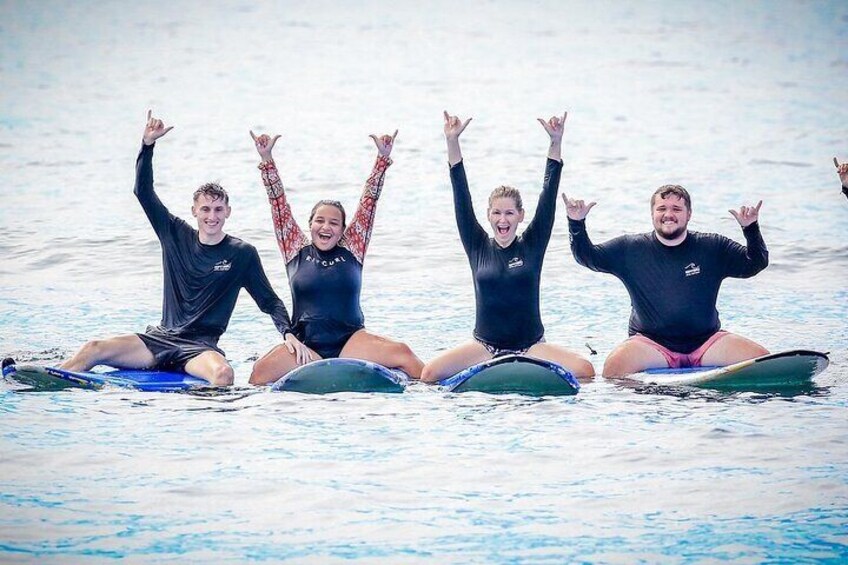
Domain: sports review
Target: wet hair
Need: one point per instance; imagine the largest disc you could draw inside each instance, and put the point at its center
(506, 192)
(334, 204)
(674, 189)
(214, 191)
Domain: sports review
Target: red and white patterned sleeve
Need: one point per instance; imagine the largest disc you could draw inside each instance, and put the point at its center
(358, 233)
(290, 238)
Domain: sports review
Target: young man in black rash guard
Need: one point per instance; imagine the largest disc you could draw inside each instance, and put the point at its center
(842, 171)
(506, 268)
(204, 270)
(673, 278)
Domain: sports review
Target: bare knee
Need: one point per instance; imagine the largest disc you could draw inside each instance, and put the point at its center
(260, 374)
(759, 350)
(92, 349)
(616, 364)
(404, 356)
(430, 374)
(582, 368)
(271, 367)
(221, 375)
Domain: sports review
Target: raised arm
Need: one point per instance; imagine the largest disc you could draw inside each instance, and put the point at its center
(471, 233)
(453, 129)
(357, 235)
(290, 238)
(842, 171)
(542, 224)
(555, 127)
(596, 257)
(747, 261)
(155, 210)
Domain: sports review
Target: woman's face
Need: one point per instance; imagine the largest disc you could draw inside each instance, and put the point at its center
(326, 227)
(504, 216)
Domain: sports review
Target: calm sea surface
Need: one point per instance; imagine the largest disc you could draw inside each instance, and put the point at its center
(737, 101)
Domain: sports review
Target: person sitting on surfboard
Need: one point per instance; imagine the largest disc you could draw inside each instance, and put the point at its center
(325, 275)
(673, 278)
(507, 268)
(204, 270)
(842, 171)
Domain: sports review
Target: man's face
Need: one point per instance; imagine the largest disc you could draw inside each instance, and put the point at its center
(211, 213)
(670, 216)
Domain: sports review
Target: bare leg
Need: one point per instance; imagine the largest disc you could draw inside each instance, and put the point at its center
(732, 348)
(454, 360)
(395, 354)
(127, 351)
(632, 357)
(578, 365)
(213, 367)
(274, 364)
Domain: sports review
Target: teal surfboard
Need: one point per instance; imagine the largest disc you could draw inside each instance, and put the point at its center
(514, 374)
(45, 379)
(774, 372)
(328, 376)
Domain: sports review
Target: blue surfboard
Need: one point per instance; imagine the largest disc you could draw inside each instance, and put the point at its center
(514, 374)
(327, 376)
(46, 379)
(774, 372)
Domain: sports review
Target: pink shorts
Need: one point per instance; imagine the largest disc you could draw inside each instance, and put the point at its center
(680, 360)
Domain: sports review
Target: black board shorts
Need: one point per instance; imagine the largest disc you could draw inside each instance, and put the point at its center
(171, 353)
(496, 352)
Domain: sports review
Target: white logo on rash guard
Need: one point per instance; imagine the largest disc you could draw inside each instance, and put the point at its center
(515, 262)
(222, 266)
(324, 262)
(692, 269)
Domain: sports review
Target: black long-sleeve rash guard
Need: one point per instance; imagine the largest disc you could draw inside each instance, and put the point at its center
(202, 282)
(673, 290)
(506, 280)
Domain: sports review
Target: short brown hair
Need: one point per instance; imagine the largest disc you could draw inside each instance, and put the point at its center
(334, 204)
(214, 191)
(674, 189)
(506, 192)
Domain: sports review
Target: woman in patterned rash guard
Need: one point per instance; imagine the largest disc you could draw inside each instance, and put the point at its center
(325, 275)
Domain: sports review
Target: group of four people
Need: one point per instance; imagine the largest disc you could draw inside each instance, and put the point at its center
(672, 275)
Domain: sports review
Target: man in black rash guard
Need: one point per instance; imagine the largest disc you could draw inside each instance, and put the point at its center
(506, 268)
(842, 171)
(204, 271)
(673, 278)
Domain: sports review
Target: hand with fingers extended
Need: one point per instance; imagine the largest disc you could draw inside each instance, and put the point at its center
(577, 209)
(300, 351)
(554, 126)
(264, 144)
(842, 171)
(747, 215)
(384, 143)
(154, 129)
(454, 126)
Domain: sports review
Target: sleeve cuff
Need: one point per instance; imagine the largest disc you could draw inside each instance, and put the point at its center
(267, 165)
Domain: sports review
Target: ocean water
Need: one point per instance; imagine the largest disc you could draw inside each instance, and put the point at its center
(736, 101)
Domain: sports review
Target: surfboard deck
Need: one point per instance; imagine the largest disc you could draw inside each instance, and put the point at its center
(46, 379)
(776, 371)
(514, 374)
(327, 376)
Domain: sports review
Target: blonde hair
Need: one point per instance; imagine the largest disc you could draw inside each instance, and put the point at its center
(506, 192)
